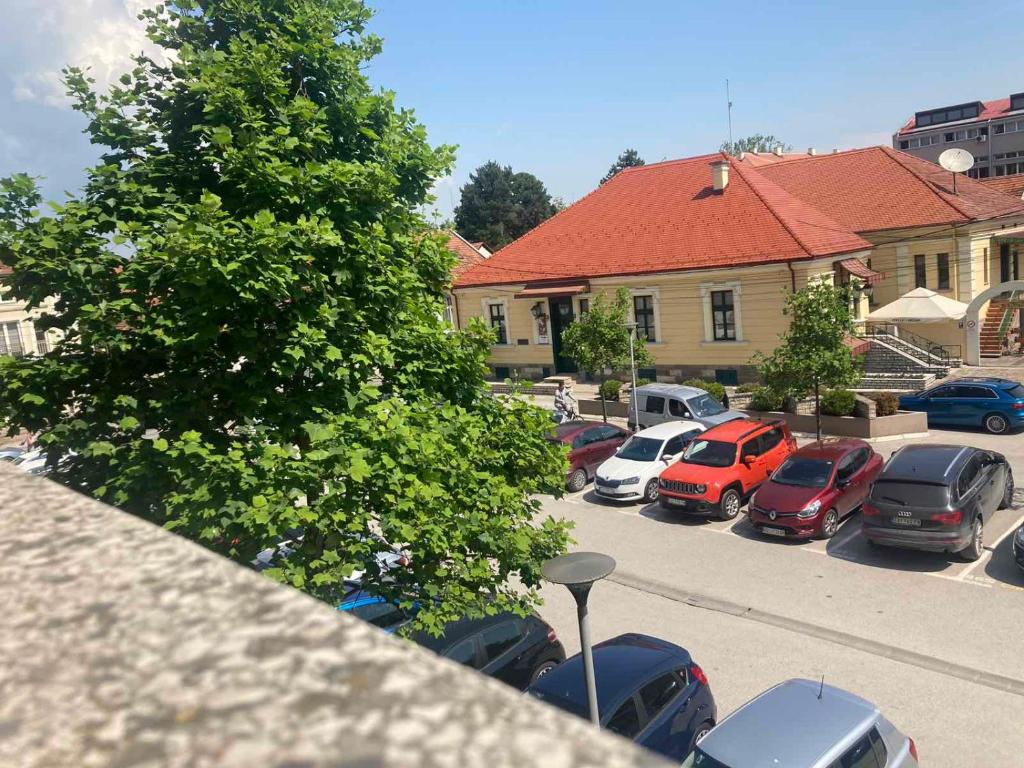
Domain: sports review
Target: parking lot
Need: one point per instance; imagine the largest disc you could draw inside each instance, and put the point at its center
(926, 636)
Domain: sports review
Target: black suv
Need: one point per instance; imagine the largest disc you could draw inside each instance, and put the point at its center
(937, 498)
(508, 647)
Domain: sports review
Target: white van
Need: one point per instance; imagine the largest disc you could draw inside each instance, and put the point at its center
(657, 403)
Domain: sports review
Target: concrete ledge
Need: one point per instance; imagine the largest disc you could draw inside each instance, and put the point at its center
(901, 423)
(593, 408)
(123, 644)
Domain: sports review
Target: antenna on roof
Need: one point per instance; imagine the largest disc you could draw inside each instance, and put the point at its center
(821, 689)
(728, 109)
(956, 161)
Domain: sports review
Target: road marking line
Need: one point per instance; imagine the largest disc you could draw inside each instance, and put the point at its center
(840, 543)
(983, 559)
(990, 550)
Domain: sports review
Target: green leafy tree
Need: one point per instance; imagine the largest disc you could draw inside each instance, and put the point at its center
(498, 205)
(811, 355)
(251, 314)
(598, 340)
(759, 142)
(628, 159)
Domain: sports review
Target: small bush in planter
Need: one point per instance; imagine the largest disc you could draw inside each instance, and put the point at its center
(610, 389)
(766, 399)
(886, 403)
(642, 382)
(748, 387)
(838, 402)
(713, 388)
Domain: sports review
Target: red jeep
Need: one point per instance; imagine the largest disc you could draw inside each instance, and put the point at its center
(722, 467)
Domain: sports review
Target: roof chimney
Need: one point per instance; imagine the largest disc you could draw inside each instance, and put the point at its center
(720, 175)
(812, 151)
(742, 156)
(778, 150)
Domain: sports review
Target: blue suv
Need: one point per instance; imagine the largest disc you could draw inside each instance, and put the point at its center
(995, 404)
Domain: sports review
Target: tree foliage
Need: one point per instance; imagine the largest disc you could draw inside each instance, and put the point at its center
(598, 340)
(628, 159)
(758, 142)
(811, 354)
(498, 205)
(251, 315)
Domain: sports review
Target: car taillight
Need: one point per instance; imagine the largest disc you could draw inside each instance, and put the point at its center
(552, 637)
(949, 518)
(1018, 406)
(403, 561)
(868, 511)
(698, 673)
(913, 748)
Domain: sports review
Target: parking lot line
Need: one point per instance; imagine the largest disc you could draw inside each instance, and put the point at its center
(989, 550)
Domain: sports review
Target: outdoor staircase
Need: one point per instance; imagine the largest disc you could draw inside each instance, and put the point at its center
(900, 363)
(993, 330)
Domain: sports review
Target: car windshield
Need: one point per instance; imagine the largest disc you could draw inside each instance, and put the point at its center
(641, 449)
(701, 759)
(806, 473)
(710, 453)
(705, 405)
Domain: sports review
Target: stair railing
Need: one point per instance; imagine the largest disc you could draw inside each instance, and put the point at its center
(945, 353)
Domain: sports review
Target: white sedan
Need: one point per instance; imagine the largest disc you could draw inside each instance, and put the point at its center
(632, 473)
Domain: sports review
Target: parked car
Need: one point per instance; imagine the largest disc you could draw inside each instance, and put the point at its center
(590, 443)
(10, 453)
(720, 469)
(815, 488)
(805, 724)
(937, 498)
(1018, 547)
(387, 558)
(374, 609)
(508, 647)
(632, 473)
(995, 404)
(648, 690)
(657, 403)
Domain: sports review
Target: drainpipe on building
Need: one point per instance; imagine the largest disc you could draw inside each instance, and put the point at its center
(792, 276)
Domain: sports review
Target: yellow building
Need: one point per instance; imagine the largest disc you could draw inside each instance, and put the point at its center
(708, 246)
(18, 333)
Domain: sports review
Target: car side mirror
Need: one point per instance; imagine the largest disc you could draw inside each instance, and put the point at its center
(748, 460)
(840, 483)
(667, 458)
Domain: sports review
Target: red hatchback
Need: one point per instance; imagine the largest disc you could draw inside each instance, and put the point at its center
(590, 443)
(815, 488)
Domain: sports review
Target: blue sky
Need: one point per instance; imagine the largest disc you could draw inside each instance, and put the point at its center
(560, 88)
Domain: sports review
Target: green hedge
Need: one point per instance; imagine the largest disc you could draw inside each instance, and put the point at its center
(886, 403)
(713, 388)
(838, 402)
(641, 382)
(610, 389)
(748, 387)
(766, 399)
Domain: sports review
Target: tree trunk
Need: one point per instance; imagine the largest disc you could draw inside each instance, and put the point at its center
(604, 407)
(817, 409)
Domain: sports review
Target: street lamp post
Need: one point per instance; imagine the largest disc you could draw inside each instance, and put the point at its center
(632, 372)
(578, 571)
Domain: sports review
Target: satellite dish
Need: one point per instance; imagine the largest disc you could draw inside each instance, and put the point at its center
(956, 160)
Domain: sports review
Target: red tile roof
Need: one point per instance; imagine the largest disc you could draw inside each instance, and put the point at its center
(665, 217)
(1011, 185)
(990, 110)
(468, 253)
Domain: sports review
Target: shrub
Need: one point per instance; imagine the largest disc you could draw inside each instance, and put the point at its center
(766, 399)
(748, 387)
(610, 389)
(713, 388)
(886, 403)
(838, 402)
(641, 382)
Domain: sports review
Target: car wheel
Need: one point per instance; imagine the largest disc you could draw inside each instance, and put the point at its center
(1007, 500)
(976, 548)
(651, 491)
(577, 480)
(541, 670)
(996, 423)
(729, 504)
(702, 730)
(829, 524)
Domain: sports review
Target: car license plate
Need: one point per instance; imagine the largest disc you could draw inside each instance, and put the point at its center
(907, 522)
(773, 531)
(678, 502)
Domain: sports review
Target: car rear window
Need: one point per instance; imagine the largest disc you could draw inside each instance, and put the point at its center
(910, 494)
(1017, 390)
(710, 453)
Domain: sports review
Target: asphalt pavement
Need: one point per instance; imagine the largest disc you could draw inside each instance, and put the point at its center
(933, 640)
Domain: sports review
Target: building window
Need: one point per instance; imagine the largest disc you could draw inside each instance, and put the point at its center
(42, 343)
(10, 339)
(643, 313)
(942, 260)
(496, 315)
(584, 306)
(904, 144)
(923, 141)
(449, 309)
(723, 316)
(1012, 126)
(920, 279)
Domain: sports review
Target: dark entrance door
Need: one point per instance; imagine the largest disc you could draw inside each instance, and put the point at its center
(561, 318)
(1009, 264)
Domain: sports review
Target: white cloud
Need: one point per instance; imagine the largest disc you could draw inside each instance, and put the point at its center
(46, 35)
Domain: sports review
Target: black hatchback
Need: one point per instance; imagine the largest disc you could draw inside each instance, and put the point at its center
(505, 646)
(937, 498)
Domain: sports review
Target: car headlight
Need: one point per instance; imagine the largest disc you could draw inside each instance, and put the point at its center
(1019, 535)
(810, 510)
(631, 480)
(700, 488)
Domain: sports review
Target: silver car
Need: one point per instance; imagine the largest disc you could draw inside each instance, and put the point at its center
(654, 404)
(804, 724)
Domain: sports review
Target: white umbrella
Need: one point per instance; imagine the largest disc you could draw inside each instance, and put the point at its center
(920, 306)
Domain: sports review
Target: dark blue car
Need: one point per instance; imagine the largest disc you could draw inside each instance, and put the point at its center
(648, 690)
(995, 404)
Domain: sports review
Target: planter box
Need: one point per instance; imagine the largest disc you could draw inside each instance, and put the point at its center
(593, 408)
(900, 423)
